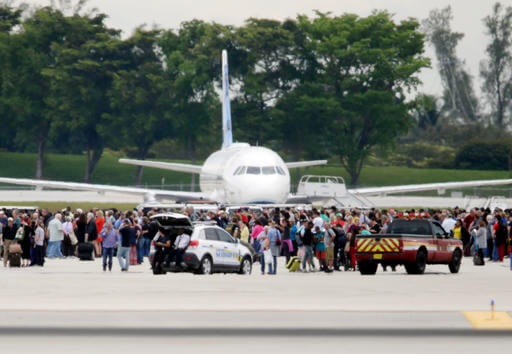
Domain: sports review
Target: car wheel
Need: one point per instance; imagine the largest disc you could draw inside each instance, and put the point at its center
(206, 266)
(367, 268)
(454, 265)
(417, 267)
(245, 266)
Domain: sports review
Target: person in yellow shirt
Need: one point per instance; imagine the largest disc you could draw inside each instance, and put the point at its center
(457, 230)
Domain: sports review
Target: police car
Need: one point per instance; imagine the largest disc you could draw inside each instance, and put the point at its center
(211, 248)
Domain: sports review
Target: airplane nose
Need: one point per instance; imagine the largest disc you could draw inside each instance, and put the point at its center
(262, 189)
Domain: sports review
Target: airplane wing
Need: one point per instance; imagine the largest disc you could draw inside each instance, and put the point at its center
(440, 187)
(305, 163)
(148, 193)
(180, 167)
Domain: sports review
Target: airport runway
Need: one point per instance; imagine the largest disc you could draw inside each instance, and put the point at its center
(72, 306)
(402, 201)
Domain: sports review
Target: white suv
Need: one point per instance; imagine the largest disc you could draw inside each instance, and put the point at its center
(211, 248)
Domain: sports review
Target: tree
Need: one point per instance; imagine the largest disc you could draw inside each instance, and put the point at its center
(496, 71)
(262, 74)
(366, 66)
(192, 57)
(81, 80)
(10, 17)
(30, 54)
(141, 98)
(459, 97)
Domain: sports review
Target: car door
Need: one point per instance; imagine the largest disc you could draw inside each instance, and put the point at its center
(443, 254)
(212, 243)
(229, 250)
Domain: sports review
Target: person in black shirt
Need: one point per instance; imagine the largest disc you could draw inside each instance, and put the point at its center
(307, 240)
(123, 251)
(162, 247)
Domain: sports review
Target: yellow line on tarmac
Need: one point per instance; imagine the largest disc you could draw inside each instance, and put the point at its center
(488, 320)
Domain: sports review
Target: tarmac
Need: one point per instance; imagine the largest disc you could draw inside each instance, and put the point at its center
(400, 201)
(70, 301)
(72, 306)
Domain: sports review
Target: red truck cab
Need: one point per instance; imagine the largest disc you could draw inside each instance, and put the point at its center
(413, 243)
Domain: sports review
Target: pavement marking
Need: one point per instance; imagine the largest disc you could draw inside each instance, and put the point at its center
(488, 320)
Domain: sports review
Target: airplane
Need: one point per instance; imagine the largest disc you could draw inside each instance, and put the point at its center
(239, 173)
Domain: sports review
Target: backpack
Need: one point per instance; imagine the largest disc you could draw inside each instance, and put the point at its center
(501, 232)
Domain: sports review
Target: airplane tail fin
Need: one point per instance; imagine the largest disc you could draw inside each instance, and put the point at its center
(227, 134)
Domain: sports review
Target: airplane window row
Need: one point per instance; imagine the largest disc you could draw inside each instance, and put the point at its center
(256, 170)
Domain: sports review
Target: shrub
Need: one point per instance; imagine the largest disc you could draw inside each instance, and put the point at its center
(480, 154)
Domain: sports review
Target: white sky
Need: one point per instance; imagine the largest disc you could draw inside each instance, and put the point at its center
(468, 15)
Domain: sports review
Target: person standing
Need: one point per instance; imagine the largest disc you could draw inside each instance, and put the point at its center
(307, 240)
(68, 248)
(8, 235)
(481, 239)
(275, 245)
(28, 239)
(123, 251)
(55, 237)
(38, 244)
(91, 234)
(110, 240)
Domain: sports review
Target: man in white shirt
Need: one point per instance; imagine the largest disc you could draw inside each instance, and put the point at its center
(180, 245)
(448, 222)
(55, 237)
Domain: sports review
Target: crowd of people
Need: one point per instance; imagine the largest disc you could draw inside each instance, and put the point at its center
(323, 239)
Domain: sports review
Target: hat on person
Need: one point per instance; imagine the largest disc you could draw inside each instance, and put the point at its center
(10, 219)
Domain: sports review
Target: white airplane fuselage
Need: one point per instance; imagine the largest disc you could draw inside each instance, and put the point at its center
(242, 174)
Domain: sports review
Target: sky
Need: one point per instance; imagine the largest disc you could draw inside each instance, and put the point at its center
(168, 14)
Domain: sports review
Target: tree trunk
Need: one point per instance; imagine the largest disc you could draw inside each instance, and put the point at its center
(141, 155)
(192, 157)
(138, 175)
(93, 156)
(41, 147)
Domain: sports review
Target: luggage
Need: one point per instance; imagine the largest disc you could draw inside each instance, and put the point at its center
(477, 260)
(14, 259)
(85, 251)
(293, 264)
(15, 247)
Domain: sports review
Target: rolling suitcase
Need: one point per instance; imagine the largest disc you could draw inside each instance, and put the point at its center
(14, 259)
(85, 251)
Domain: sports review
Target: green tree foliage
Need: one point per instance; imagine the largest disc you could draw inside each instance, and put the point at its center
(141, 98)
(309, 87)
(30, 53)
(9, 18)
(485, 155)
(365, 65)
(88, 59)
(192, 58)
(460, 100)
(496, 71)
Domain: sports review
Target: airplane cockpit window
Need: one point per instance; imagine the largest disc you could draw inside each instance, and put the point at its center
(268, 170)
(280, 171)
(253, 170)
(239, 171)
